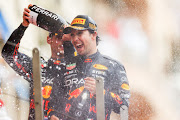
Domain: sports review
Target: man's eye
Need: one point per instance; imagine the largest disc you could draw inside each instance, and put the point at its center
(58, 37)
(79, 33)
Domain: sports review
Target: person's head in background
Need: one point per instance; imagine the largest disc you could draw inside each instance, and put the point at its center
(56, 44)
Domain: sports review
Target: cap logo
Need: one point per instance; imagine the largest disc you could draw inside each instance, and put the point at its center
(78, 21)
(92, 26)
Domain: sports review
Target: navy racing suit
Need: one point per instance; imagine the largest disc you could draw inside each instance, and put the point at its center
(22, 64)
(71, 101)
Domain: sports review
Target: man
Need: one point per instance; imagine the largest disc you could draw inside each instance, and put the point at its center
(79, 86)
(22, 64)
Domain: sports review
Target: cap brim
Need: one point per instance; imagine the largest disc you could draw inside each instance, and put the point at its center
(68, 30)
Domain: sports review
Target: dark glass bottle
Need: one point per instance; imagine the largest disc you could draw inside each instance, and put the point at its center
(80, 106)
(46, 19)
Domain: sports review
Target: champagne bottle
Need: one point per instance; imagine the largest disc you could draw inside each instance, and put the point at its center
(80, 106)
(46, 19)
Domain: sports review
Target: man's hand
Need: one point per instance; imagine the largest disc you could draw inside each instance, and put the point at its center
(26, 15)
(90, 84)
(66, 37)
(53, 117)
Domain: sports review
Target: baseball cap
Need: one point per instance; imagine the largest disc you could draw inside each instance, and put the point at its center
(57, 34)
(81, 22)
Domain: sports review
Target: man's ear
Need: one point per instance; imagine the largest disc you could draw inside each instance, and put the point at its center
(48, 40)
(94, 35)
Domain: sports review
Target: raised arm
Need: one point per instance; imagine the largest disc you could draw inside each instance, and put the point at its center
(21, 63)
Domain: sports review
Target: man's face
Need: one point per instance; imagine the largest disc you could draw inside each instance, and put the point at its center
(56, 44)
(82, 41)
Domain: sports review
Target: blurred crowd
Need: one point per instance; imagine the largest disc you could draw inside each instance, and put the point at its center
(143, 35)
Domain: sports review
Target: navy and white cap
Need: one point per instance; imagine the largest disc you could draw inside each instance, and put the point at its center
(81, 22)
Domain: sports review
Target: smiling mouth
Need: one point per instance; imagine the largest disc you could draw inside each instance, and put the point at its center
(79, 45)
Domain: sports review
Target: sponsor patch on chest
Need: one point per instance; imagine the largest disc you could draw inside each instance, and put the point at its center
(74, 81)
(98, 72)
(100, 67)
(71, 66)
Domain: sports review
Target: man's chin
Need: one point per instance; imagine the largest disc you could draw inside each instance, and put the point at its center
(80, 53)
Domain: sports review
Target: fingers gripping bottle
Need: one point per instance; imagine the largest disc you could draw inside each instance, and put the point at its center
(46, 19)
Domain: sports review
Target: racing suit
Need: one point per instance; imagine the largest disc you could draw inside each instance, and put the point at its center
(22, 64)
(71, 101)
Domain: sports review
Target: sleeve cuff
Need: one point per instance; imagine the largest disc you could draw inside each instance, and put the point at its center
(22, 28)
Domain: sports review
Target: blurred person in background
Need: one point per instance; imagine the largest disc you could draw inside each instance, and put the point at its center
(76, 95)
(14, 92)
(3, 77)
(22, 63)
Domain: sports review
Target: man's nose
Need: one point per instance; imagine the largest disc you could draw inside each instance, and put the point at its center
(75, 38)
